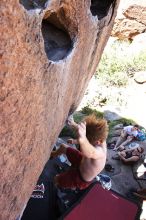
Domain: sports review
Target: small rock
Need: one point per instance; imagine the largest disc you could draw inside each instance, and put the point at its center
(119, 126)
(111, 116)
(140, 77)
(113, 139)
(116, 133)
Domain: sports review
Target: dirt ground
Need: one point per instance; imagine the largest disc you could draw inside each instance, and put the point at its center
(128, 177)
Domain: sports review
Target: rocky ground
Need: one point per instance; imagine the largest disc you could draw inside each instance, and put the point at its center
(128, 177)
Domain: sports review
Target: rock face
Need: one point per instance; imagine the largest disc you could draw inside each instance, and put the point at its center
(136, 12)
(131, 23)
(127, 29)
(49, 51)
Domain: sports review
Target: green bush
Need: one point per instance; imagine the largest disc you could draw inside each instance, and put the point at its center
(78, 117)
(88, 111)
(67, 132)
(124, 121)
(117, 64)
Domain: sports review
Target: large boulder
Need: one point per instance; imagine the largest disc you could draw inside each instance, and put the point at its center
(130, 21)
(49, 52)
(127, 29)
(136, 12)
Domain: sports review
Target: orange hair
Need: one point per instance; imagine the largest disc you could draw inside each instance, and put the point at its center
(96, 129)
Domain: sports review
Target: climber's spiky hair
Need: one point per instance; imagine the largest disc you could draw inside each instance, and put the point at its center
(96, 129)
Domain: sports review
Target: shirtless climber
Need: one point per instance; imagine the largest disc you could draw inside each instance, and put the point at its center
(87, 163)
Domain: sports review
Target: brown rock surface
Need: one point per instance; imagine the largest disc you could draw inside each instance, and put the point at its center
(49, 51)
(136, 12)
(127, 29)
(130, 20)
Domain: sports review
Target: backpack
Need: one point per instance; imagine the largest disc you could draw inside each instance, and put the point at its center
(141, 136)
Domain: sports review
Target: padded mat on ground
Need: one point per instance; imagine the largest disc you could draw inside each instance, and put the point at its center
(100, 204)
